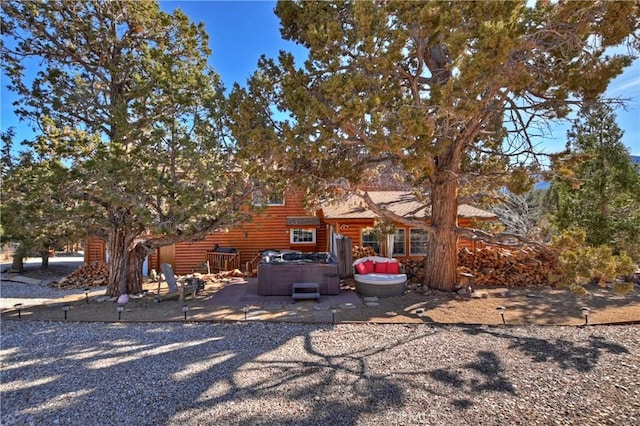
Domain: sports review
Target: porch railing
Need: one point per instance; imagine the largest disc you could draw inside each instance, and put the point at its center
(223, 261)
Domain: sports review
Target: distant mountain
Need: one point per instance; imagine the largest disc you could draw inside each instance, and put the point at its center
(635, 159)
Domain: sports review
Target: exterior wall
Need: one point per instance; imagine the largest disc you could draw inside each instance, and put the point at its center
(353, 228)
(266, 230)
(94, 250)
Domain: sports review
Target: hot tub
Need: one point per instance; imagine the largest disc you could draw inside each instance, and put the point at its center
(279, 270)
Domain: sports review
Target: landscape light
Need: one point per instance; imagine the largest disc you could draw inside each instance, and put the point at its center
(333, 314)
(86, 294)
(120, 308)
(144, 296)
(65, 308)
(585, 313)
(501, 310)
(185, 308)
(245, 310)
(18, 307)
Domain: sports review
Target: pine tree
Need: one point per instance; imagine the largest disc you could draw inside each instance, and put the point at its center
(602, 194)
(125, 100)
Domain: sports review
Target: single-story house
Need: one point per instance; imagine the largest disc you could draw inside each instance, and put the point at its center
(287, 224)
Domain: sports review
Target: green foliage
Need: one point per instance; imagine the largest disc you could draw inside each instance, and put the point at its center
(597, 187)
(447, 93)
(581, 264)
(34, 210)
(128, 106)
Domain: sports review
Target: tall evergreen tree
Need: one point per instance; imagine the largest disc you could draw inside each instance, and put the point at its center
(35, 213)
(601, 194)
(450, 93)
(124, 99)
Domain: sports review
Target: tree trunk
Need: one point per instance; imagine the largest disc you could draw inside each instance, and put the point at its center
(441, 259)
(44, 255)
(134, 269)
(118, 251)
(17, 263)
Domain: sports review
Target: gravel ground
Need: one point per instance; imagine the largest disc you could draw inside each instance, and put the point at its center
(250, 373)
(36, 294)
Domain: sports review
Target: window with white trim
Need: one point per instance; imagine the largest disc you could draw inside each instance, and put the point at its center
(369, 239)
(400, 242)
(418, 242)
(302, 236)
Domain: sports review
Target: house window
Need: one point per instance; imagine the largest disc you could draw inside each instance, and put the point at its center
(368, 239)
(399, 242)
(302, 236)
(273, 198)
(418, 242)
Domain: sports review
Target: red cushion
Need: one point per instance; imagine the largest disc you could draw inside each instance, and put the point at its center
(393, 268)
(380, 268)
(361, 268)
(368, 266)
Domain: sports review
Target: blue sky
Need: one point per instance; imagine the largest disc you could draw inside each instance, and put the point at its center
(240, 31)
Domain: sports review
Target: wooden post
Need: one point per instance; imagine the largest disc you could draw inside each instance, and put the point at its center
(345, 257)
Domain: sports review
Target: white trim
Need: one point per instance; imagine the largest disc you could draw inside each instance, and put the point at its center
(313, 235)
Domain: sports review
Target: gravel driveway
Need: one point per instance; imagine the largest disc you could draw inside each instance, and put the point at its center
(279, 373)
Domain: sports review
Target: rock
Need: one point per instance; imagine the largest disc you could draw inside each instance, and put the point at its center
(347, 305)
(479, 294)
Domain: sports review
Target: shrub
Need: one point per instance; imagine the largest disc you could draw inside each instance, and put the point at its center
(581, 264)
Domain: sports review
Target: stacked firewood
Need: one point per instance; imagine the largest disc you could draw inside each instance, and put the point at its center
(500, 266)
(359, 252)
(511, 268)
(94, 274)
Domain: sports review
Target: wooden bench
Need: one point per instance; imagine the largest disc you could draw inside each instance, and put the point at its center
(305, 291)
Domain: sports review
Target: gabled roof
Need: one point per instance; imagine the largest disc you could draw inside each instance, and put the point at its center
(402, 203)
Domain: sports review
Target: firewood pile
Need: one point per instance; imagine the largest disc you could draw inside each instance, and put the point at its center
(94, 274)
(499, 266)
(359, 252)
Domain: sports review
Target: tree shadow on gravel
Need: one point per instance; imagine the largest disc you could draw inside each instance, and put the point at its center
(491, 378)
(566, 354)
(210, 377)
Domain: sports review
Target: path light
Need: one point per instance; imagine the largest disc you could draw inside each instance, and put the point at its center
(65, 308)
(86, 294)
(185, 308)
(18, 307)
(585, 313)
(333, 314)
(245, 310)
(501, 310)
(120, 308)
(144, 296)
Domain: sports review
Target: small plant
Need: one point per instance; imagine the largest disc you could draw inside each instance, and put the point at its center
(581, 264)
